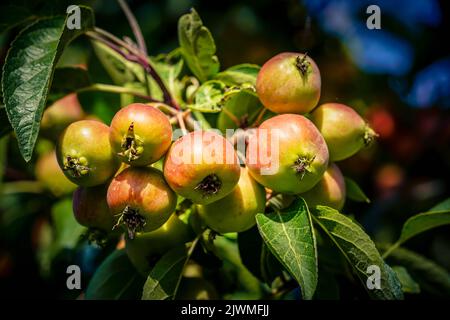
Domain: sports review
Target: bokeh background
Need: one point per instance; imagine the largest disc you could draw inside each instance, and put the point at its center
(397, 77)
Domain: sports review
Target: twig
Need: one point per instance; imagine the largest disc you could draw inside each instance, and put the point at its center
(259, 118)
(232, 117)
(134, 56)
(134, 26)
(116, 89)
(181, 123)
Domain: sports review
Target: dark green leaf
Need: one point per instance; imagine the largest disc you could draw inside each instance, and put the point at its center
(290, 237)
(197, 46)
(430, 276)
(67, 80)
(408, 283)
(358, 249)
(163, 279)
(354, 192)
(28, 72)
(115, 279)
(239, 74)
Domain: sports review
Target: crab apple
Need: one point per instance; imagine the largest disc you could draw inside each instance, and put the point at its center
(329, 191)
(84, 153)
(287, 154)
(90, 208)
(147, 247)
(343, 129)
(202, 166)
(59, 115)
(235, 212)
(51, 176)
(289, 83)
(140, 134)
(141, 199)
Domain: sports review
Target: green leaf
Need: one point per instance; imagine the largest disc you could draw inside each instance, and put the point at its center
(240, 109)
(430, 276)
(422, 222)
(119, 69)
(444, 205)
(67, 230)
(239, 74)
(197, 46)
(358, 249)
(67, 80)
(168, 71)
(408, 283)
(212, 96)
(354, 192)
(163, 279)
(28, 73)
(289, 235)
(208, 97)
(438, 216)
(115, 279)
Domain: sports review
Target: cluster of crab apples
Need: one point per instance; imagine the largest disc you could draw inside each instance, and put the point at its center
(292, 152)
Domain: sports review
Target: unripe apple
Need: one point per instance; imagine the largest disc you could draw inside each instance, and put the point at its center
(289, 83)
(51, 176)
(330, 191)
(141, 199)
(202, 166)
(84, 153)
(344, 130)
(287, 154)
(59, 115)
(146, 247)
(90, 208)
(140, 134)
(235, 212)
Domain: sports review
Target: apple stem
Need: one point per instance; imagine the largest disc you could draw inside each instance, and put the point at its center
(232, 117)
(259, 118)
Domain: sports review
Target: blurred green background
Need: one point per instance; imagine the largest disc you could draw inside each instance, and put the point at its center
(397, 77)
